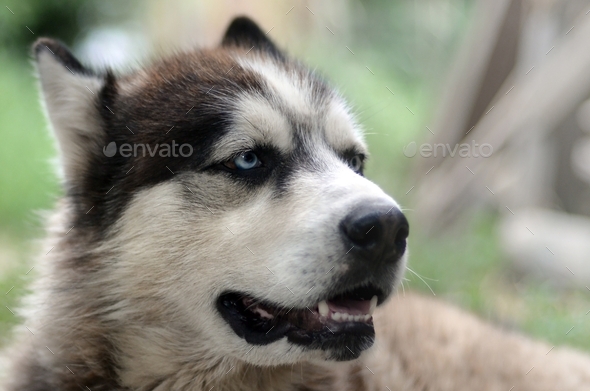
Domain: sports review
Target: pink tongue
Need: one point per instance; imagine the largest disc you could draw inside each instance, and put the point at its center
(352, 307)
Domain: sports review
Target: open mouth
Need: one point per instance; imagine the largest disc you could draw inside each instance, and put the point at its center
(342, 324)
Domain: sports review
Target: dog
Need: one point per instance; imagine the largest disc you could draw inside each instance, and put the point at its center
(217, 233)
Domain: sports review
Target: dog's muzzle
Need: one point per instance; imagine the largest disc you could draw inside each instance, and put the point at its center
(340, 324)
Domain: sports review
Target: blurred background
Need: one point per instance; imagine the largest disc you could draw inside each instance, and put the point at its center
(475, 111)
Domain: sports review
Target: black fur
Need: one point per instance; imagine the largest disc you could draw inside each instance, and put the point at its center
(245, 33)
(62, 53)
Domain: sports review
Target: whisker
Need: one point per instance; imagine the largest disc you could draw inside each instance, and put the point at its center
(421, 279)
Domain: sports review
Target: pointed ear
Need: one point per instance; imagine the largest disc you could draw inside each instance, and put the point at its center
(71, 94)
(243, 32)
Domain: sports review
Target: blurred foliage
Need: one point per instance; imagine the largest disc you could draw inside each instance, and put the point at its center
(56, 18)
(67, 20)
(412, 38)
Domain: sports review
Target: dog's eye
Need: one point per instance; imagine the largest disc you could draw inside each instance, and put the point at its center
(245, 161)
(356, 163)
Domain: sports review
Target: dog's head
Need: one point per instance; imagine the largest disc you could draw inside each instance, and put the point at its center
(224, 190)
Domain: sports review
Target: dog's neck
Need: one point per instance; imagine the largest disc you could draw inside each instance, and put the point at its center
(144, 369)
(301, 376)
(246, 377)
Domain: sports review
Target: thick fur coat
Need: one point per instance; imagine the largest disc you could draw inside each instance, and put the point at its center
(254, 262)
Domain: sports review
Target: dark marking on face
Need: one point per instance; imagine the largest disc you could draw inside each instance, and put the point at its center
(189, 99)
(183, 100)
(154, 115)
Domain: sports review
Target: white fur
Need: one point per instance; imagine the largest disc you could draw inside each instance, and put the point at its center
(289, 88)
(341, 129)
(255, 122)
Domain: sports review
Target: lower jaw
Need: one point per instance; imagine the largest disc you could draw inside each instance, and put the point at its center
(341, 341)
(345, 345)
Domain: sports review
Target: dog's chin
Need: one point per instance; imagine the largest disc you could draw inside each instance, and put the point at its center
(341, 326)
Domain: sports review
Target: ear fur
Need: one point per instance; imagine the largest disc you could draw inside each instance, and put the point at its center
(245, 33)
(71, 94)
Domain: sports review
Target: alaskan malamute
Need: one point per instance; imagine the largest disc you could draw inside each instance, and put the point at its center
(217, 233)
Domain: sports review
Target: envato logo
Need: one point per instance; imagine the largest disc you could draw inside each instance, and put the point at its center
(462, 150)
(143, 150)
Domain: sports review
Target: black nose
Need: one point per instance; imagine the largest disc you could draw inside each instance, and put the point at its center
(377, 232)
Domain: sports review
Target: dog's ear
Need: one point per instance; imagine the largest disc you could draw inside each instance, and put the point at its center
(244, 32)
(72, 97)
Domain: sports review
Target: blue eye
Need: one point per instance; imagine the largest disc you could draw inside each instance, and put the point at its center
(356, 163)
(247, 161)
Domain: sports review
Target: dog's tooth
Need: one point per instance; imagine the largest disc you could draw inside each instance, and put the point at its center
(357, 318)
(323, 308)
(367, 317)
(350, 318)
(373, 305)
(336, 316)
